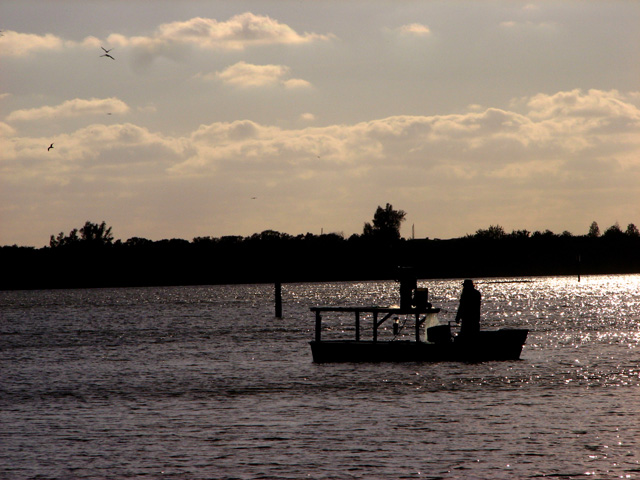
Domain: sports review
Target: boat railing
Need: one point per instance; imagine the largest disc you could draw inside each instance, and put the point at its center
(379, 316)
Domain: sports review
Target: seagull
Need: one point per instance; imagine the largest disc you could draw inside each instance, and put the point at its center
(50, 147)
(106, 53)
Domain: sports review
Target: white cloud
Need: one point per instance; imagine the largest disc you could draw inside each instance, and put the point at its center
(15, 44)
(414, 29)
(528, 26)
(171, 39)
(296, 83)
(244, 74)
(237, 33)
(553, 152)
(71, 108)
(597, 104)
(6, 130)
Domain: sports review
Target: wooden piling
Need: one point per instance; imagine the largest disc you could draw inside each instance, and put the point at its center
(278, 300)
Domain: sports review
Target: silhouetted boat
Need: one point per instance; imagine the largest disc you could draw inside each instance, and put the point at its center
(439, 344)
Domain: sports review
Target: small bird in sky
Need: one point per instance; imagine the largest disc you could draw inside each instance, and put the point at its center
(106, 53)
(50, 147)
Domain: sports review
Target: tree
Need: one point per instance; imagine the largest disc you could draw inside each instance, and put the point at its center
(494, 232)
(632, 230)
(386, 224)
(520, 234)
(95, 234)
(62, 241)
(90, 234)
(594, 230)
(614, 231)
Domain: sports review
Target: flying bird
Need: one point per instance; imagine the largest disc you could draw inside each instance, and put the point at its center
(106, 53)
(50, 147)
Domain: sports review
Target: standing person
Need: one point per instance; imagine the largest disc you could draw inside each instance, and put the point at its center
(469, 310)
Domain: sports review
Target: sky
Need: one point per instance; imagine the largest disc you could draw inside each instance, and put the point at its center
(216, 118)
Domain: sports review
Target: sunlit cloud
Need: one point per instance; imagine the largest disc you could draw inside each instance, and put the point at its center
(244, 74)
(517, 26)
(557, 145)
(237, 33)
(15, 44)
(597, 104)
(71, 108)
(171, 39)
(6, 130)
(414, 29)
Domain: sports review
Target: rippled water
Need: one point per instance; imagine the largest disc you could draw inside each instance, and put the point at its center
(203, 382)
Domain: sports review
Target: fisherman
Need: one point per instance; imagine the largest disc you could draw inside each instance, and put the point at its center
(469, 310)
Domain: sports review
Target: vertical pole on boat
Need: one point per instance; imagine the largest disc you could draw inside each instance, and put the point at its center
(318, 325)
(278, 300)
(375, 326)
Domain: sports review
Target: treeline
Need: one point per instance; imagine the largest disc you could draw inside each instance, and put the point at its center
(91, 257)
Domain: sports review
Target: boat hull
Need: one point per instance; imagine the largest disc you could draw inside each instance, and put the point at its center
(504, 344)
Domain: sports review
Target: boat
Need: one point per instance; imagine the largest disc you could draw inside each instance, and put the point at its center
(433, 342)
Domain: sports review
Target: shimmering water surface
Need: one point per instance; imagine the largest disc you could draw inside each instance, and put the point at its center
(204, 382)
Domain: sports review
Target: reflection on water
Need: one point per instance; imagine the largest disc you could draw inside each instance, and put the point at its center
(204, 382)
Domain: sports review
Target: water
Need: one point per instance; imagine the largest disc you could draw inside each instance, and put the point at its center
(203, 382)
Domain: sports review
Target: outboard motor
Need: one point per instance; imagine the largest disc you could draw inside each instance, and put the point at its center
(439, 334)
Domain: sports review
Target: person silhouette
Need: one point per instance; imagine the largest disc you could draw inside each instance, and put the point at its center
(469, 310)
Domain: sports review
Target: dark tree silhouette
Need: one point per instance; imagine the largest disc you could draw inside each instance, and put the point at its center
(96, 234)
(386, 223)
(594, 230)
(90, 234)
(494, 232)
(632, 230)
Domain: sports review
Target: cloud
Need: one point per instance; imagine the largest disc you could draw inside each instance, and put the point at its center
(528, 26)
(597, 104)
(15, 44)
(6, 130)
(414, 29)
(237, 33)
(171, 39)
(557, 129)
(71, 108)
(559, 151)
(245, 75)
